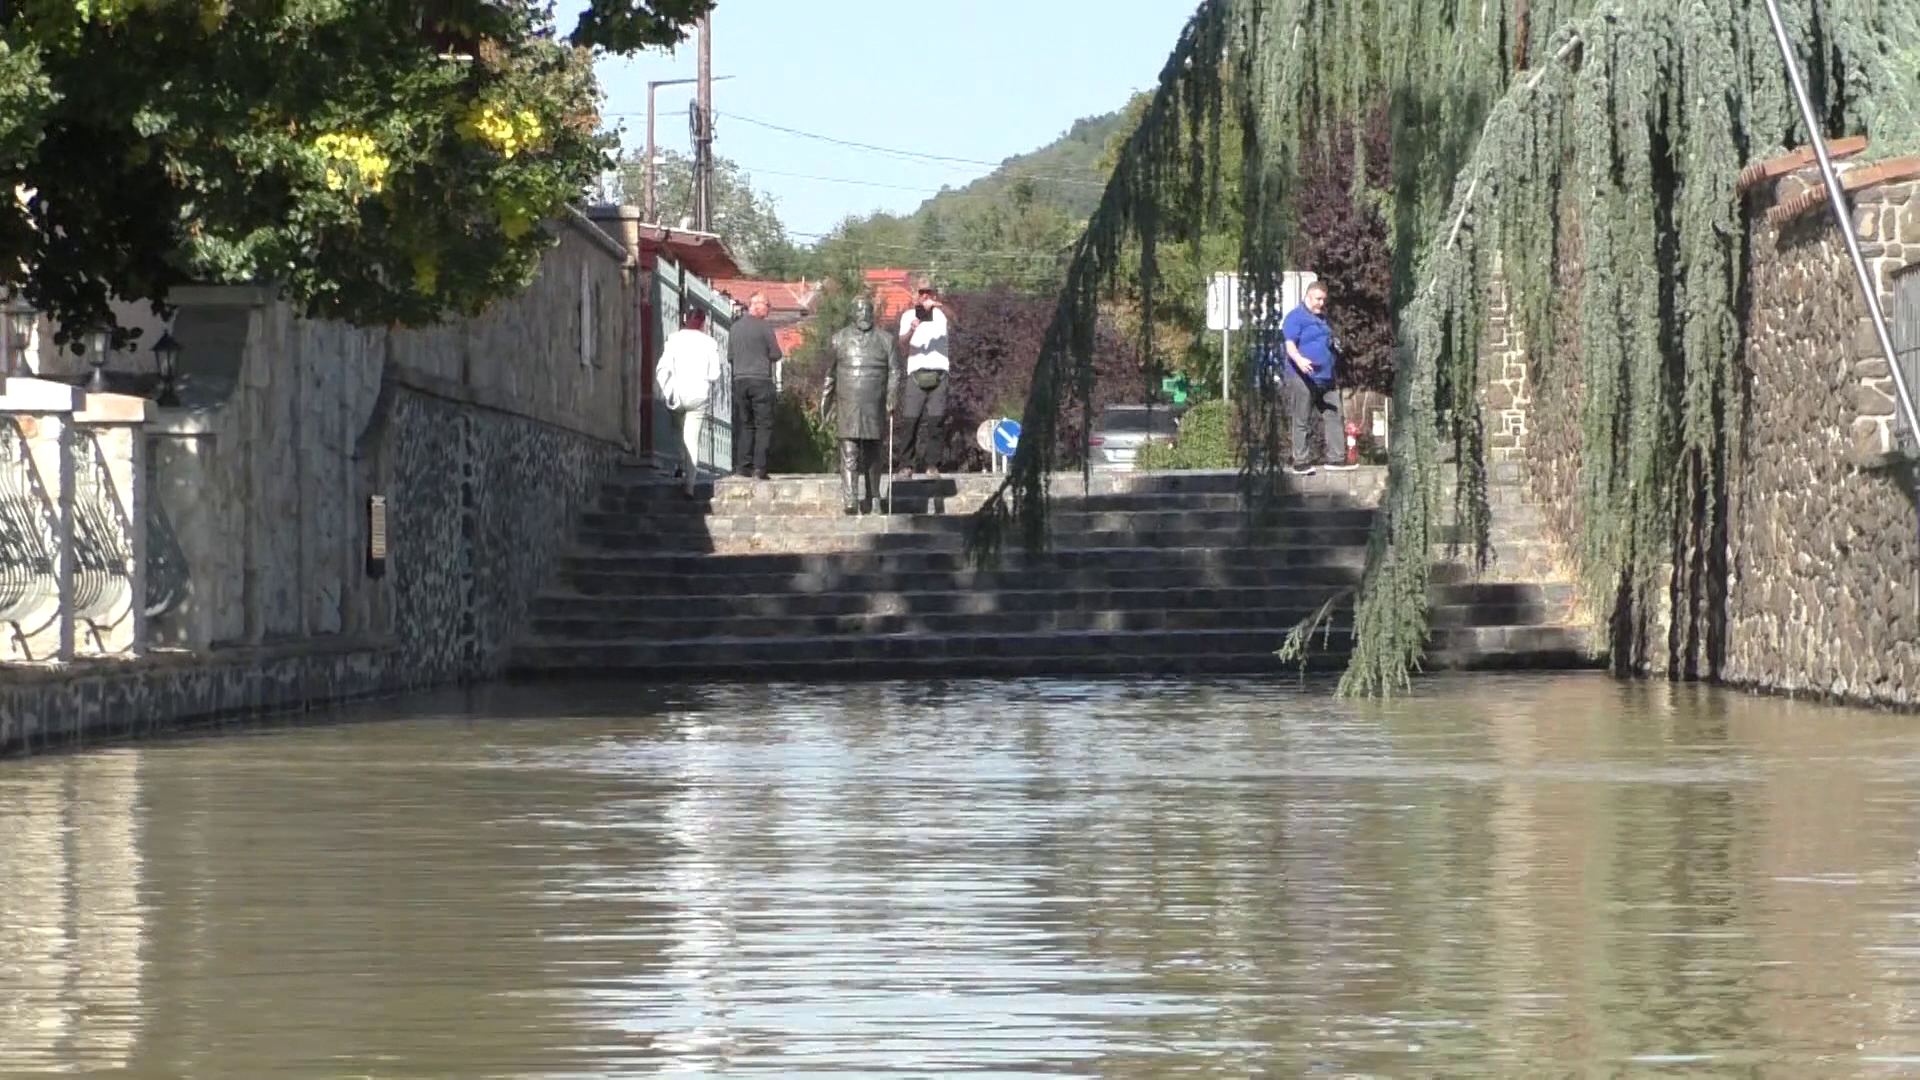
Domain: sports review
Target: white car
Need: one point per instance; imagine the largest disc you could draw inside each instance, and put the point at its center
(1116, 438)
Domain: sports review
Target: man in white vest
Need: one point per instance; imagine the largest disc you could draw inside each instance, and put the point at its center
(688, 371)
(923, 401)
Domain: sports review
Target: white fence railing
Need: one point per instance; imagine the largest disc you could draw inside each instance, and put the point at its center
(74, 521)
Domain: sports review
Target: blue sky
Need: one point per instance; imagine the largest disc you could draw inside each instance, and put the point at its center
(974, 79)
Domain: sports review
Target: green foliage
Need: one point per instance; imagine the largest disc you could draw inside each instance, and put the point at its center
(1009, 229)
(628, 26)
(381, 163)
(746, 218)
(1207, 440)
(1066, 174)
(802, 441)
(1635, 113)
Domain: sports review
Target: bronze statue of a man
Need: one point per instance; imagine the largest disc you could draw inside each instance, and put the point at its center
(863, 385)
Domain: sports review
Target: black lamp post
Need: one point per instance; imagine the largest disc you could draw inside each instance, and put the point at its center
(99, 343)
(16, 334)
(166, 359)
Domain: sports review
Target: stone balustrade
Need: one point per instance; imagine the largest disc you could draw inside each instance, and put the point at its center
(72, 523)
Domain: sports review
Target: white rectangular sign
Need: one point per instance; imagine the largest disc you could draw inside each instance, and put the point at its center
(1225, 307)
(1223, 302)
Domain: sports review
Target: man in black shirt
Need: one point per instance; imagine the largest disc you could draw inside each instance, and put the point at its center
(752, 352)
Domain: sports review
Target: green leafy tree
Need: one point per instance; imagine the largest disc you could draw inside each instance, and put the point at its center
(380, 162)
(747, 219)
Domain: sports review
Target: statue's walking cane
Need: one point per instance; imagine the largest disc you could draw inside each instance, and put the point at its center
(887, 526)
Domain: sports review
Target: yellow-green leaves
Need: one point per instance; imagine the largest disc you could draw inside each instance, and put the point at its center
(353, 162)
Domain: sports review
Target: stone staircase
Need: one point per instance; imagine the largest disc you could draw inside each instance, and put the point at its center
(1147, 573)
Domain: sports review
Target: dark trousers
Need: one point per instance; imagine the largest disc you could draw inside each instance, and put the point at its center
(918, 435)
(752, 425)
(1306, 403)
(860, 460)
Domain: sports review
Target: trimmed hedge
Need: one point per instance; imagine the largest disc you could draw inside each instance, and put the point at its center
(1207, 439)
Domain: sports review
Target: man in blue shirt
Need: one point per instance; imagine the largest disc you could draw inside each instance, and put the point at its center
(1307, 387)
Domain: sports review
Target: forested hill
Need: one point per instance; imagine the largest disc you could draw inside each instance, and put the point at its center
(1066, 172)
(1011, 227)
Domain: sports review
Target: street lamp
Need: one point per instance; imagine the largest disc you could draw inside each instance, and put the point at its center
(166, 360)
(16, 334)
(99, 344)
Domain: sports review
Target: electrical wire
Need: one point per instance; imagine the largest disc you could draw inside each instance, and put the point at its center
(912, 155)
(954, 252)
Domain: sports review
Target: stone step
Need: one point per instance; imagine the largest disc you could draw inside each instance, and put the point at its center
(654, 588)
(1523, 544)
(1071, 484)
(823, 498)
(1062, 520)
(1516, 602)
(1228, 524)
(1238, 650)
(1046, 617)
(806, 535)
(900, 570)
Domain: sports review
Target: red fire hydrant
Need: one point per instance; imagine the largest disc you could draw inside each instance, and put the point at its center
(1353, 443)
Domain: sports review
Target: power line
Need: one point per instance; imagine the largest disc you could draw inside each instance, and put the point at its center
(751, 171)
(871, 148)
(955, 252)
(912, 155)
(942, 192)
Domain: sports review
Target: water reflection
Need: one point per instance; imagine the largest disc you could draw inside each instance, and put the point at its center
(72, 927)
(1516, 877)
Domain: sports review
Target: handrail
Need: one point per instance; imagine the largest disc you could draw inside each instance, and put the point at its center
(1837, 199)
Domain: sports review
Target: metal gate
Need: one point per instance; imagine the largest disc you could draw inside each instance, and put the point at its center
(1903, 324)
(673, 292)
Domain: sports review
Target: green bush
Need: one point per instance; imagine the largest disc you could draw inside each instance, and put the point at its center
(801, 442)
(1206, 440)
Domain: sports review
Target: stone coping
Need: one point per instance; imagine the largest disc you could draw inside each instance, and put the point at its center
(83, 704)
(12, 675)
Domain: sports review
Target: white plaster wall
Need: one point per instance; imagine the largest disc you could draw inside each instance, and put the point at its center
(267, 491)
(45, 358)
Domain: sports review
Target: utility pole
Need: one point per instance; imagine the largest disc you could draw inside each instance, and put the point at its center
(649, 199)
(703, 133)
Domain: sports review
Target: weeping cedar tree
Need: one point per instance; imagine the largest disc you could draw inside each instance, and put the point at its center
(1638, 114)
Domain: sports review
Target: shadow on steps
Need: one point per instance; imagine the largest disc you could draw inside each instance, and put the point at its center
(1147, 573)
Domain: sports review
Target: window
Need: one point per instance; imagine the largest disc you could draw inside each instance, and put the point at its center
(1125, 419)
(1903, 325)
(587, 331)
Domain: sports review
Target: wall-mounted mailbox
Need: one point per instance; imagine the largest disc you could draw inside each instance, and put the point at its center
(377, 536)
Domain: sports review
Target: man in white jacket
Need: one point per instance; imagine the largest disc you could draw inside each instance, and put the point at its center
(688, 371)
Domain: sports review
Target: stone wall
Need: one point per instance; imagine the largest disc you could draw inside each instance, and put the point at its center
(1507, 393)
(1821, 582)
(481, 505)
(1823, 596)
(485, 437)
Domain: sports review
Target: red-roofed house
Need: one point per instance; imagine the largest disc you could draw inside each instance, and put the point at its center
(789, 306)
(787, 301)
(892, 291)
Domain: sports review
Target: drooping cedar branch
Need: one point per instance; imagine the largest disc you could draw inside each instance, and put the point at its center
(1626, 139)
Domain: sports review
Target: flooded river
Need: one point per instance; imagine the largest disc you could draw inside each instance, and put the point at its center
(1526, 876)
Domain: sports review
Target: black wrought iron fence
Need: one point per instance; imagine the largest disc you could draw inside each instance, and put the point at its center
(29, 540)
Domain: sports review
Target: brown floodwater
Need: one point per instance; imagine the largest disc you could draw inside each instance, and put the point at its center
(1500, 876)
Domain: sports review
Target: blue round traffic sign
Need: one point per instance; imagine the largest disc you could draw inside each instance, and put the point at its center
(1006, 437)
